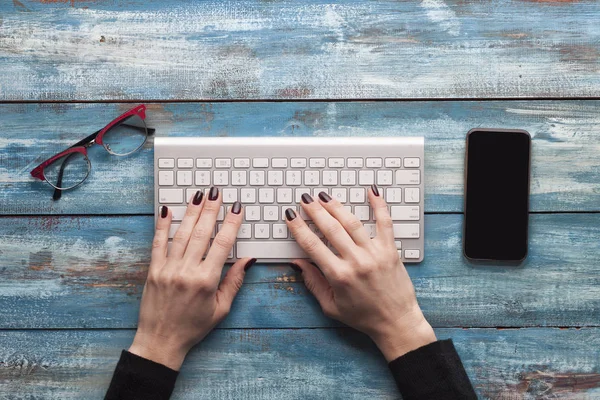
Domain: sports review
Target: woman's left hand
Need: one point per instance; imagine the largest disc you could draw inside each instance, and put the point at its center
(182, 299)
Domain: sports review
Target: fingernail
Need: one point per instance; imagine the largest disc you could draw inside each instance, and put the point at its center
(249, 264)
(198, 198)
(324, 197)
(164, 211)
(290, 214)
(213, 194)
(306, 199)
(296, 268)
(236, 209)
(375, 190)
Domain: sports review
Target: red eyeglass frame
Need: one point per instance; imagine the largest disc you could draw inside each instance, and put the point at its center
(82, 145)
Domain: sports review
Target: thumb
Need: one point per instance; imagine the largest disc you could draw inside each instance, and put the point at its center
(317, 284)
(232, 282)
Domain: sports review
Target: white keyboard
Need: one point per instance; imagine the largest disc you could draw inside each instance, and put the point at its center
(269, 174)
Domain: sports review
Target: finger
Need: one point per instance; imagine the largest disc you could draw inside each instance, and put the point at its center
(384, 224)
(161, 236)
(331, 228)
(310, 243)
(318, 285)
(182, 236)
(204, 227)
(225, 239)
(232, 282)
(351, 224)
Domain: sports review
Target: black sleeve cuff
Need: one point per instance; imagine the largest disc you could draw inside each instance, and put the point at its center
(138, 378)
(432, 372)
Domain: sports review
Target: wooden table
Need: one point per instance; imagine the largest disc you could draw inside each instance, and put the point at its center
(71, 271)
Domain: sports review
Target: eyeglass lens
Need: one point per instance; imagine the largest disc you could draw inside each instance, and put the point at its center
(67, 171)
(126, 137)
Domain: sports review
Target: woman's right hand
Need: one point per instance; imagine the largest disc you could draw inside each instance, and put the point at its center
(366, 286)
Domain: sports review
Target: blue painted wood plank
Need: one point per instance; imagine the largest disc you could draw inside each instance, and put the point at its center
(250, 49)
(565, 168)
(88, 272)
(522, 364)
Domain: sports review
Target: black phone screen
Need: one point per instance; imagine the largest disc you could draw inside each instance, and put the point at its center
(497, 195)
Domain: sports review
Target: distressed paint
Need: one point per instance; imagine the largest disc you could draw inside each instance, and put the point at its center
(522, 364)
(565, 168)
(252, 49)
(88, 272)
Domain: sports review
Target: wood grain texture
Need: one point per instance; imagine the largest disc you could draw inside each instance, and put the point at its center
(519, 364)
(88, 272)
(565, 167)
(251, 49)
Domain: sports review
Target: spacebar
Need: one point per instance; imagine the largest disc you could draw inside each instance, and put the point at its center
(270, 250)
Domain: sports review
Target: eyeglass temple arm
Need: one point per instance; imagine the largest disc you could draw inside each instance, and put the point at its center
(57, 192)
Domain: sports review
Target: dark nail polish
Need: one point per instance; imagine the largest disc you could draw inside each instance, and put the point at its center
(375, 190)
(236, 209)
(306, 199)
(249, 264)
(213, 194)
(290, 214)
(164, 211)
(198, 198)
(324, 197)
(296, 268)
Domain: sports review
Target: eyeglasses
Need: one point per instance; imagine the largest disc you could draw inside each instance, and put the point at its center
(68, 169)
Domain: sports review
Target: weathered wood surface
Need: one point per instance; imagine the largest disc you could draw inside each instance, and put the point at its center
(88, 272)
(302, 364)
(565, 166)
(113, 50)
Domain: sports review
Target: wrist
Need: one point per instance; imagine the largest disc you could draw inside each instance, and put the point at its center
(158, 350)
(408, 334)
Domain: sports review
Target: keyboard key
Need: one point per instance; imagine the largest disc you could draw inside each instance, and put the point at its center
(406, 231)
(280, 231)
(245, 231)
(393, 162)
(411, 195)
(304, 215)
(398, 244)
(166, 163)
(330, 178)
(348, 178)
(355, 163)
(241, 162)
(283, 208)
(408, 177)
(252, 213)
(266, 195)
(362, 212)
(221, 178)
(257, 178)
(185, 163)
(248, 195)
(238, 178)
(336, 163)
(202, 178)
(357, 195)
(221, 214)
(184, 178)
(298, 194)
(412, 162)
(271, 213)
(318, 190)
(178, 212)
(316, 162)
(293, 178)
(229, 196)
(270, 249)
(374, 163)
(172, 230)
(262, 231)
(203, 162)
(393, 195)
(260, 163)
(366, 177)
(412, 253)
(340, 194)
(298, 162)
(284, 195)
(165, 178)
(170, 196)
(191, 192)
(223, 163)
(384, 177)
(405, 213)
(311, 178)
(275, 178)
(279, 163)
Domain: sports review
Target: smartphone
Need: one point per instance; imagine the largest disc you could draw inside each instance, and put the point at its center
(497, 174)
